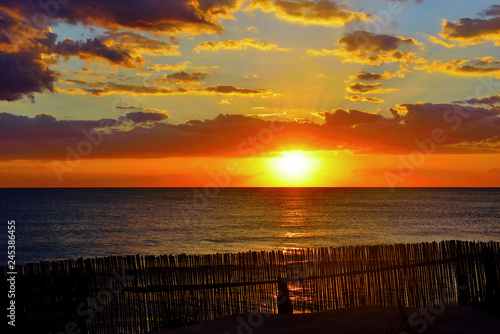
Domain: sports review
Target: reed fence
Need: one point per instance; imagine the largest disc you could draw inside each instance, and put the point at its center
(137, 294)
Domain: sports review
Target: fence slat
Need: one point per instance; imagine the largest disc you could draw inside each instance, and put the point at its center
(135, 294)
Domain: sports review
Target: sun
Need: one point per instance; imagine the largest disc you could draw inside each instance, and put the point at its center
(292, 167)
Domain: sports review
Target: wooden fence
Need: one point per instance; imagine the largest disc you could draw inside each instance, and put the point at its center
(134, 294)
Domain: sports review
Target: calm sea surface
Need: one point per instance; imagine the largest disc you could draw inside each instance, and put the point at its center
(72, 223)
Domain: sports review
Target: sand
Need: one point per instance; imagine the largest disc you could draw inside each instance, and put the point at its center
(370, 319)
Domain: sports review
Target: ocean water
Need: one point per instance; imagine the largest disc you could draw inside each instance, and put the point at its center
(70, 223)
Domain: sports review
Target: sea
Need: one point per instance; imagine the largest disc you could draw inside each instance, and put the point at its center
(66, 223)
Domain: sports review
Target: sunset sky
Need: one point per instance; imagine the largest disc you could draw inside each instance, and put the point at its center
(236, 93)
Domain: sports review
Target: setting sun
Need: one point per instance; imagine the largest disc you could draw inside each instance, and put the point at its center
(293, 167)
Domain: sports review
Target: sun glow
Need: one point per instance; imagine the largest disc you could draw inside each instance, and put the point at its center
(293, 167)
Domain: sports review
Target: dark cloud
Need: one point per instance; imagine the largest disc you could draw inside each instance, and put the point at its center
(23, 60)
(91, 49)
(24, 73)
(137, 44)
(195, 16)
(228, 89)
(474, 31)
(138, 108)
(84, 83)
(494, 10)
(350, 117)
(372, 49)
(14, 31)
(368, 76)
(182, 78)
(467, 124)
(357, 98)
(147, 135)
(489, 100)
(114, 88)
(322, 12)
(372, 42)
(22, 68)
(42, 127)
(476, 66)
(360, 87)
(143, 117)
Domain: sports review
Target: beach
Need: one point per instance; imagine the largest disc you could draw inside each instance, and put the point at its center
(370, 319)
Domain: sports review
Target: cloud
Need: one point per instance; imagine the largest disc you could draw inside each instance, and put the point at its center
(24, 73)
(148, 135)
(489, 100)
(139, 109)
(14, 31)
(92, 49)
(360, 87)
(182, 78)
(372, 49)
(173, 16)
(448, 45)
(494, 10)
(474, 31)
(227, 89)
(372, 42)
(322, 12)
(426, 116)
(357, 98)
(367, 76)
(144, 117)
(472, 67)
(350, 117)
(41, 127)
(137, 45)
(168, 67)
(26, 53)
(243, 44)
(115, 88)
(84, 83)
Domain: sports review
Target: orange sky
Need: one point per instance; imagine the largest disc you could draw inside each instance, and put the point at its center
(317, 169)
(250, 93)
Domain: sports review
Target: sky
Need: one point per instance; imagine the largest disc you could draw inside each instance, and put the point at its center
(249, 93)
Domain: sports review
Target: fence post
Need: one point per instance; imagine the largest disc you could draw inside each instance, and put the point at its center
(284, 302)
(463, 292)
(492, 282)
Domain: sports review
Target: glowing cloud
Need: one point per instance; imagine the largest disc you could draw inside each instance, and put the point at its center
(238, 45)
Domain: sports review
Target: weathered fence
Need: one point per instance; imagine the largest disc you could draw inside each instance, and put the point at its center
(134, 294)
